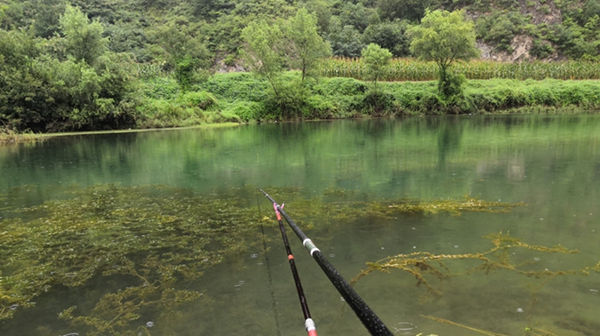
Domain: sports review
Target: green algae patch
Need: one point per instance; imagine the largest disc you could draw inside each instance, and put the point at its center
(338, 206)
(155, 240)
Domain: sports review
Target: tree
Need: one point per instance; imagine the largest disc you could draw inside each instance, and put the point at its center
(181, 50)
(83, 38)
(376, 59)
(345, 41)
(412, 10)
(389, 35)
(264, 51)
(444, 37)
(307, 47)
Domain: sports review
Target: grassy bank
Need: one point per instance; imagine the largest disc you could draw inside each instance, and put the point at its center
(158, 101)
(241, 97)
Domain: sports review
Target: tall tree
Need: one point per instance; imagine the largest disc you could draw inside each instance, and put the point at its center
(307, 47)
(83, 38)
(264, 51)
(444, 37)
(181, 50)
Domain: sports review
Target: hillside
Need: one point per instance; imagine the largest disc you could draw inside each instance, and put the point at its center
(506, 29)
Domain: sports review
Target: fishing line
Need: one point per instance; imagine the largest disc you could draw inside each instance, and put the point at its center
(270, 278)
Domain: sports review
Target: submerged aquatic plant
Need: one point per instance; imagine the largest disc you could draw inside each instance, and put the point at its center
(148, 245)
(349, 210)
(153, 239)
(425, 265)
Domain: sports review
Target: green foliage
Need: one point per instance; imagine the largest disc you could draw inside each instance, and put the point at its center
(444, 37)
(500, 28)
(376, 60)
(83, 39)
(357, 15)
(389, 35)
(345, 40)
(237, 86)
(180, 50)
(378, 103)
(307, 47)
(450, 84)
(412, 10)
(541, 49)
(46, 18)
(40, 92)
(246, 111)
(265, 50)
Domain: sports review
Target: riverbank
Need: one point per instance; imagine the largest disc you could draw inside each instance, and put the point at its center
(10, 137)
(233, 98)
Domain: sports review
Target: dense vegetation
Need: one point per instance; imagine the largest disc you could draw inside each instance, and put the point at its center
(99, 64)
(557, 28)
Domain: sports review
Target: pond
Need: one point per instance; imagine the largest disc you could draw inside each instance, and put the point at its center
(165, 233)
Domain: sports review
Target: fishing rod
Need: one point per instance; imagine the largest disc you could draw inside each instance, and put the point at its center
(368, 318)
(309, 324)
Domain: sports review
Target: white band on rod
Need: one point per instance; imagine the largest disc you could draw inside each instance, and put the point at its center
(310, 246)
(309, 324)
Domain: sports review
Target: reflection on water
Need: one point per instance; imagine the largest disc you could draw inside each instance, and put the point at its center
(552, 164)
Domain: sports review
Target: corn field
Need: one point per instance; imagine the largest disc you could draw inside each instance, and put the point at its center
(410, 69)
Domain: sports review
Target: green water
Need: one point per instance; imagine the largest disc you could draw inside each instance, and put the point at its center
(552, 164)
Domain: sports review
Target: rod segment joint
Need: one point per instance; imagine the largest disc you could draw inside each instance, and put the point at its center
(310, 246)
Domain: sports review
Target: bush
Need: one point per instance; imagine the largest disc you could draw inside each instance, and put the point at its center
(450, 84)
(199, 99)
(245, 110)
(541, 49)
(377, 103)
(341, 86)
(320, 107)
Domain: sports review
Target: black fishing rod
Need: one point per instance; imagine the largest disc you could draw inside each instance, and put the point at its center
(368, 318)
(309, 324)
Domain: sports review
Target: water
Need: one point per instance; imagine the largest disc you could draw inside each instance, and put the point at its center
(551, 163)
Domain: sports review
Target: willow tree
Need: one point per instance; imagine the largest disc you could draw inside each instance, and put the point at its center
(444, 37)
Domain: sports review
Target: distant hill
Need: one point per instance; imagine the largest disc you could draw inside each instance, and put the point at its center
(509, 30)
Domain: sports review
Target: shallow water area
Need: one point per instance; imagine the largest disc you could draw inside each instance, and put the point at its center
(165, 233)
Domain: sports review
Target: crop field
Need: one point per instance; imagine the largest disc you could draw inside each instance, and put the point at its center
(410, 69)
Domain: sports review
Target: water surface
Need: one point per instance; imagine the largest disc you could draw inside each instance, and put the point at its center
(550, 163)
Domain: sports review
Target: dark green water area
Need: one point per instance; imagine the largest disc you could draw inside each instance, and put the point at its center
(446, 226)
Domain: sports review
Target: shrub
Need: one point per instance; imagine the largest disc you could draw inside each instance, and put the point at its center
(200, 99)
(245, 110)
(320, 107)
(377, 102)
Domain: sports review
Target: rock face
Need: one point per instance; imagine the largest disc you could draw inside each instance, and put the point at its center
(521, 44)
(540, 12)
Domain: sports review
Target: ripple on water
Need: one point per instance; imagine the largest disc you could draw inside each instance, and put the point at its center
(404, 328)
